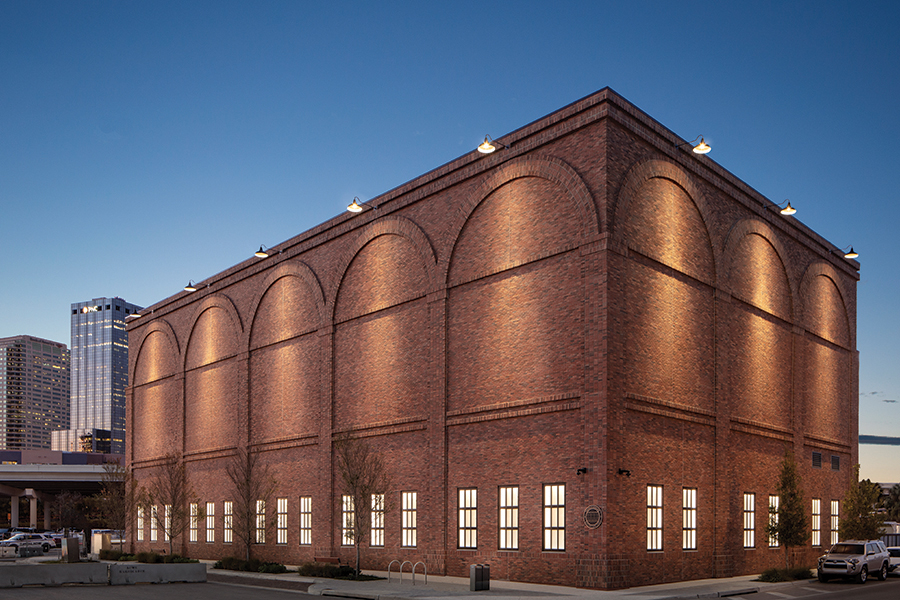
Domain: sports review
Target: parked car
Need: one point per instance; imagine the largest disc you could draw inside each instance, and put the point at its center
(854, 558)
(894, 551)
(28, 540)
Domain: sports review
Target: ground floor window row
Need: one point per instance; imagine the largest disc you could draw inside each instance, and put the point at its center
(689, 516)
(202, 520)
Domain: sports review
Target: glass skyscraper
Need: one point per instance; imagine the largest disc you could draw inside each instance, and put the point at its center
(99, 377)
(34, 391)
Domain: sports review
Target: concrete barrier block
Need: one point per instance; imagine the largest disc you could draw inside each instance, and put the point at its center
(13, 576)
(127, 574)
(7, 552)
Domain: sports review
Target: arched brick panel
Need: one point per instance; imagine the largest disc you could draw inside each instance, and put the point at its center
(157, 354)
(754, 262)
(824, 306)
(661, 213)
(381, 325)
(212, 396)
(588, 223)
(285, 354)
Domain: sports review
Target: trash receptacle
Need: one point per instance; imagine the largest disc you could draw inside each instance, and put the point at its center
(479, 577)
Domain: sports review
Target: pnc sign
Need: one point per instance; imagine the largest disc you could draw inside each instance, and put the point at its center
(88, 309)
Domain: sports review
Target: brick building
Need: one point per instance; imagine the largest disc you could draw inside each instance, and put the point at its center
(583, 357)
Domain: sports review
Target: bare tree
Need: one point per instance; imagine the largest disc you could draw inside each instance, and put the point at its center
(366, 481)
(70, 510)
(118, 498)
(253, 488)
(172, 494)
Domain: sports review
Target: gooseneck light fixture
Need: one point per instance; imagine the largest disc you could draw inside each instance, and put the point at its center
(487, 146)
(787, 210)
(850, 253)
(356, 207)
(191, 286)
(261, 253)
(699, 145)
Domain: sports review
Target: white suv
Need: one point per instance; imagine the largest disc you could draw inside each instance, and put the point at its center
(855, 558)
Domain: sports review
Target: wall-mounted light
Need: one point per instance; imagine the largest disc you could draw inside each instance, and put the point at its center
(848, 253)
(699, 145)
(261, 253)
(487, 146)
(786, 210)
(625, 472)
(132, 316)
(356, 207)
(191, 286)
(581, 471)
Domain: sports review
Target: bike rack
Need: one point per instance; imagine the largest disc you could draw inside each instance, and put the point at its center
(391, 564)
(424, 572)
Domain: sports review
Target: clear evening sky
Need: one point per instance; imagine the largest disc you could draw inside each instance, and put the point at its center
(144, 144)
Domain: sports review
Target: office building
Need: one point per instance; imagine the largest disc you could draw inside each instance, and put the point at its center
(34, 391)
(99, 377)
(583, 357)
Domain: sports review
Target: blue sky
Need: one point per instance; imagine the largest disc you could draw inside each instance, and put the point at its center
(143, 144)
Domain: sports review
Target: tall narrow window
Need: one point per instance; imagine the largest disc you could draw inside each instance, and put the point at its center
(408, 524)
(347, 518)
(816, 522)
(210, 522)
(654, 517)
(835, 520)
(281, 521)
(305, 520)
(774, 502)
(195, 522)
(140, 523)
(167, 523)
(749, 520)
(689, 519)
(260, 521)
(468, 518)
(227, 521)
(154, 517)
(555, 517)
(377, 520)
(509, 518)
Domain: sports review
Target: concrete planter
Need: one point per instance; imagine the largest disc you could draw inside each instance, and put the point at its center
(129, 573)
(14, 576)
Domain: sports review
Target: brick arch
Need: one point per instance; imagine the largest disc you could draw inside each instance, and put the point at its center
(163, 327)
(655, 168)
(753, 226)
(297, 269)
(214, 301)
(400, 226)
(544, 167)
(823, 269)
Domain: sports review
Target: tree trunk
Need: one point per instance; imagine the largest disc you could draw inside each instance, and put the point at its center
(358, 571)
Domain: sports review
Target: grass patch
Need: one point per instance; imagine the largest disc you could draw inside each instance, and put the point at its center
(792, 574)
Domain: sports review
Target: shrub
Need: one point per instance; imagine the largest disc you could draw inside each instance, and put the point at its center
(254, 565)
(148, 557)
(110, 554)
(329, 570)
(269, 567)
(775, 575)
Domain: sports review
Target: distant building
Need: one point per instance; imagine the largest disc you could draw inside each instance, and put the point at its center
(34, 391)
(99, 377)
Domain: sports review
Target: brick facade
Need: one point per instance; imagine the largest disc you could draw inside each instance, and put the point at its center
(591, 298)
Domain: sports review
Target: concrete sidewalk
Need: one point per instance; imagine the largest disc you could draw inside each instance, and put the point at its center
(455, 588)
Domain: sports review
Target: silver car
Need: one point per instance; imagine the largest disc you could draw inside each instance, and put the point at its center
(29, 540)
(855, 558)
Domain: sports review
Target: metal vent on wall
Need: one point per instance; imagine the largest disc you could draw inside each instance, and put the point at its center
(817, 460)
(593, 516)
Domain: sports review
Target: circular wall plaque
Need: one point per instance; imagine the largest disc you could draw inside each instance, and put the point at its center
(593, 516)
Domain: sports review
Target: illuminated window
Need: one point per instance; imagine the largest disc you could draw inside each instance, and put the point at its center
(194, 523)
(816, 522)
(509, 518)
(654, 517)
(555, 517)
(140, 524)
(305, 520)
(154, 518)
(749, 520)
(210, 522)
(260, 521)
(227, 521)
(377, 520)
(281, 518)
(688, 519)
(347, 518)
(408, 519)
(468, 518)
(774, 502)
(167, 526)
(835, 520)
